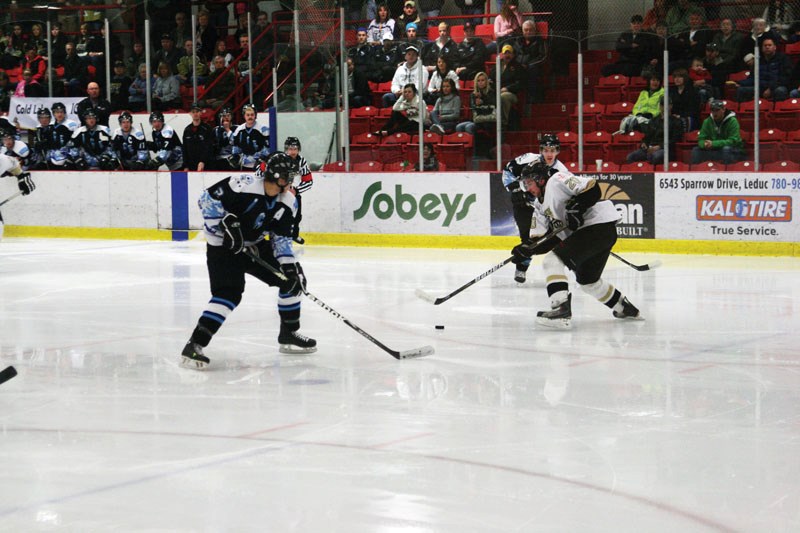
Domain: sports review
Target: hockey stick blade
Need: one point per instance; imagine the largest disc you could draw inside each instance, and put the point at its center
(640, 268)
(4, 202)
(7, 374)
(408, 354)
(419, 293)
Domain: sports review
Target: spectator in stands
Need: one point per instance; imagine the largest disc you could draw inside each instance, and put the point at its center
(218, 13)
(442, 72)
(774, 71)
(357, 87)
(430, 10)
(262, 44)
(512, 81)
(206, 36)
(429, 161)
(167, 53)
(507, 25)
(6, 90)
(161, 14)
(719, 138)
(76, 73)
(442, 46)
(96, 103)
(761, 31)
(411, 39)
(243, 66)
(138, 90)
(713, 63)
(406, 74)
(58, 42)
(635, 50)
(472, 54)
(382, 26)
(182, 30)
(678, 16)
(645, 108)
(654, 15)
(241, 28)
(697, 36)
(409, 15)
(15, 48)
(652, 147)
(198, 142)
(729, 44)
(531, 52)
(166, 89)
(361, 54)
(481, 105)
(35, 63)
(185, 68)
(352, 10)
(405, 113)
(471, 7)
(120, 83)
(447, 109)
(219, 85)
(29, 87)
(38, 39)
(135, 59)
(82, 40)
(684, 101)
(221, 50)
(675, 47)
(701, 79)
(384, 61)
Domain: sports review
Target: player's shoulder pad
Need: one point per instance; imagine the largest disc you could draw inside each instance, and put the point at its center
(137, 134)
(117, 132)
(288, 199)
(21, 148)
(78, 131)
(167, 132)
(524, 159)
(241, 182)
(263, 128)
(70, 124)
(239, 128)
(104, 129)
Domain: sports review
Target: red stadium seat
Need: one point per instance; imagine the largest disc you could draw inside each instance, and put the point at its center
(639, 166)
(368, 166)
(781, 166)
(335, 166)
(676, 166)
(707, 166)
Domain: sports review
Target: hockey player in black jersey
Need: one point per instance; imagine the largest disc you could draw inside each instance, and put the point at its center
(129, 144)
(42, 140)
(223, 142)
(239, 212)
(549, 147)
(588, 233)
(93, 142)
(198, 142)
(251, 139)
(62, 154)
(292, 148)
(165, 143)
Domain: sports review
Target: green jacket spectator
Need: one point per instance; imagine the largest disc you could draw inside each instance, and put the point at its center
(719, 138)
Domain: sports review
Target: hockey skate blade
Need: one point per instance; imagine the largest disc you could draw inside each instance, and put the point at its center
(418, 352)
(425, 296)
(557, 323)
(291, 349)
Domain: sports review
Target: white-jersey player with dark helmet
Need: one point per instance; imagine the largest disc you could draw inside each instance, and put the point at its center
(564, 200)
(9, 166)
(239, 212)
(292, 148)
(549, 148)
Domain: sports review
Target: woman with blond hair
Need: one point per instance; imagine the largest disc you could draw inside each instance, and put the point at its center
(481, 105)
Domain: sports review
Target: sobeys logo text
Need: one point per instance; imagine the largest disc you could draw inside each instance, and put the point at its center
(430, 206)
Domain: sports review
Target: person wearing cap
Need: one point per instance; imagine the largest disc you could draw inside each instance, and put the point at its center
(407, 73)
(472, 54)
(120, 83)
(729, 44)
(411, 39)
(775, 72)
(720, 138)
(635, 50)
(442, 46)
(362, 53)
(512, 81)
(166, 54)
(381, 27)
(384, 61)
(410, 14)
(198, 141)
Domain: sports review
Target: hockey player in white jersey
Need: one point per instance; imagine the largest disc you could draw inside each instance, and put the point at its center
(15, 148)
(239, 212)
(572, 202)
(9, 166)
(549, 148)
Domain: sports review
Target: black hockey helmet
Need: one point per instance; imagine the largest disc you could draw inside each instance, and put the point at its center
(44, 112)
(550, 140)
(224, 112)
(292, 142)
(58, 106)
(125, 115)
(156, 115)
(249, 106)
(278, 166)
(89, 113)
(538, 172)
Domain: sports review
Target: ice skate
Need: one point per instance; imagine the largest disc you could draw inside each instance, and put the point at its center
(294, 343)
(628, 311)
(519, 276)
(192, 356)
(559, 317)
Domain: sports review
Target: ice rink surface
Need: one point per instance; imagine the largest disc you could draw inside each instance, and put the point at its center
(688, 421)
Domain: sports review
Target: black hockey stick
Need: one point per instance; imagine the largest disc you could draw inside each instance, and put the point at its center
(436, 301)
(641, 268)
(407, 354)
(4, 202)
(7, 374)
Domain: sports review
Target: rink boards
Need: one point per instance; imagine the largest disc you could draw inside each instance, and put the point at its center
(739, 213)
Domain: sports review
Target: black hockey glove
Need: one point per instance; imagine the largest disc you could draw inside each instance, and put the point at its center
(232, 238)
(155, 163)
(519, 198)
(25, 183)
(296, 282)
(574, 217)
(522, 253)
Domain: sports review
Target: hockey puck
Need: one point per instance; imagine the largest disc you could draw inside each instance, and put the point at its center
(439, 327)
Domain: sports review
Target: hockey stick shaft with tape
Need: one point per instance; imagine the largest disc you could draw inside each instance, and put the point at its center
(406, 354)
(4, 202)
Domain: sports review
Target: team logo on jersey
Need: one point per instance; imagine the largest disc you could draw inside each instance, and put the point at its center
(745, 208)
(259, 220)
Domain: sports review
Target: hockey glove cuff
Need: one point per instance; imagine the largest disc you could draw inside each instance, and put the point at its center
(296, 282)
(25, 183)
(232, 238)
(574, 218)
